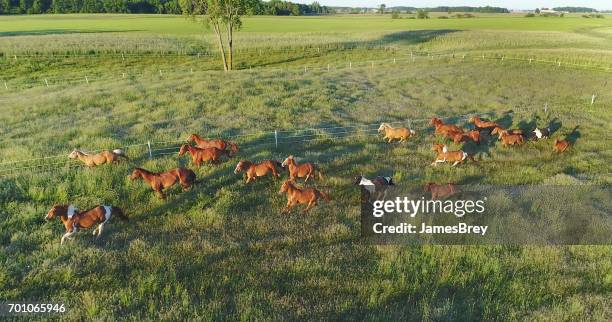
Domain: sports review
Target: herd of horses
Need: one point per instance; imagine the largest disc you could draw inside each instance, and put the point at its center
(212, 151)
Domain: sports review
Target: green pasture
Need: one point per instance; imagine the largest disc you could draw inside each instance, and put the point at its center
(222, 250)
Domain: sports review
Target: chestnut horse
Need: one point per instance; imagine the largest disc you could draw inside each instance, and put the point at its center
(445, 155)
(103, 157)
(163, 180)
(511, 139)
(304, 170)
(560, 145)
(439, 191)
(214, 143)
(483, 125)
(203, 154)
(297, 196)
(391, 133)
(446, 130)
(74, 220)
(497, 131)
(472, 135)
(254, 170)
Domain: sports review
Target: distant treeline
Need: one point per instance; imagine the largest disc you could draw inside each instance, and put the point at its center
(574, 9)
(274, 7)
(486, 9)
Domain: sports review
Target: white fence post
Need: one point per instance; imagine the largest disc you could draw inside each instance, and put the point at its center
(149, 147)
(546, 107)
(122, 57)
(328, 67)
(160, 73)
(592, 99)
(394, 60)
(350, 65)
(276, 138)
(46, 82)
(5, 86)
(86, 79)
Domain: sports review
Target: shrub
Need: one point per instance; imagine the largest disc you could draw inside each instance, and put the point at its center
(442, 17)
(530, 15)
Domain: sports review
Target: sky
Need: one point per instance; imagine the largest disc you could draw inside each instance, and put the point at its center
(510, 4)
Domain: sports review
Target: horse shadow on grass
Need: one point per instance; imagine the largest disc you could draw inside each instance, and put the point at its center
(574, 135)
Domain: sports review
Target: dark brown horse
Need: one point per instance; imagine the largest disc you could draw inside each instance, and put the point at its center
(164, 180)
(74, 220)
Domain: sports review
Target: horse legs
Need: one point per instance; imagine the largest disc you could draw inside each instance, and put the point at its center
(456, 162)
(311, 204)
(100, 229)
(67, 235)
(307, 177)
(249, 179)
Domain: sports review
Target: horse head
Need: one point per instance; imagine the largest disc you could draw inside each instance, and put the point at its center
(436, 121)
(288, 160)
(383, 126)
(285, 187)
(233, 148)
(357, 180)
(192, 137)
(496, 130)
(184, 148)
(137, 173)
(57, 211)
(474, 119)
(241, 166)
(74, 154)
(438, 147)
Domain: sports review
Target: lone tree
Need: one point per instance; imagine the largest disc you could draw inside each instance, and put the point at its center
(381, 8)
(223, 16)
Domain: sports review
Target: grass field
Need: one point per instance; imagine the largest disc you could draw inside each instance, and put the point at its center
(223, 250)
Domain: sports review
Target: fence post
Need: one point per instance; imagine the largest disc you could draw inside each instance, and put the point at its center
(122, 57)
(546, 107)
(394, 60)
(304, 68)
(5, 86)
(15, 57)
(192, 70)
(149, 147)
(530, 60)
(86, 79)
(593, 99)
(372, 65)
(160, 73)
(350, 65)
(123, 75)
(276, 138)
(328, 67)
(46, 82)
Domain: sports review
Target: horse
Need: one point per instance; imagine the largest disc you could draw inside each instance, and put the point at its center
(203, 154)
(164, 180)
(304, 170)
(439, 191)
(497, 130)
(254, 170)
(451, 156)
(473, 135)
(376, 186)
(483, 125)
(74, 220)
(297, 196)
(540, 134)
(560, 145)
(391, 133)
(103, 157)
(510, 139)
(446, 130)
(214, 143)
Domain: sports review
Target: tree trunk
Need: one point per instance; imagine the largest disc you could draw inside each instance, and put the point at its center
(230, 45)
(221, 47)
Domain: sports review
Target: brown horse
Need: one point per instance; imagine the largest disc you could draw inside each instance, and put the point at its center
(74, 220)
(472, 135)
(483, 125)
(304, 170)
(391, 133)
(511, 139)
(439, 191)
(163, 180)
(445, 155)
(92, 160)
(198, 155)
(214, 143)
(297, 196)
(497, 131)
(560, 145)
(446, 130)
(254, 170)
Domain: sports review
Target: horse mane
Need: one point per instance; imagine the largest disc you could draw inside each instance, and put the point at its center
(143, 170)
(384, 124)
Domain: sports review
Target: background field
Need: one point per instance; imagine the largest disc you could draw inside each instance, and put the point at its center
(222, 250)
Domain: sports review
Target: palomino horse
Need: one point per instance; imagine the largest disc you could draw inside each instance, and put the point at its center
(391, 133)
(103, 157)
(560, 145)
(451, 156)
(304, 170)
(446, 130)
(163, 180)
(214, 143)
(254, 170)
(483, 125)
(203, 154)
(377, 186)
(297, 196)
(74, 220)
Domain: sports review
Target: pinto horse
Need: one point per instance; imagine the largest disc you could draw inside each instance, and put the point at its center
(445, 155)
(483, 125)
(377, 186)
(92, 160)
(164, 180)
(74, 220)
(214, 143)
(304, 170)
(254, 170)
(446, 130)
(203, 154)
(297, 196)
(391, 133)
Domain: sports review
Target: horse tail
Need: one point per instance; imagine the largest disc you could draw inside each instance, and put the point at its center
(325, 196)
(120, 153)
(119, 212)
